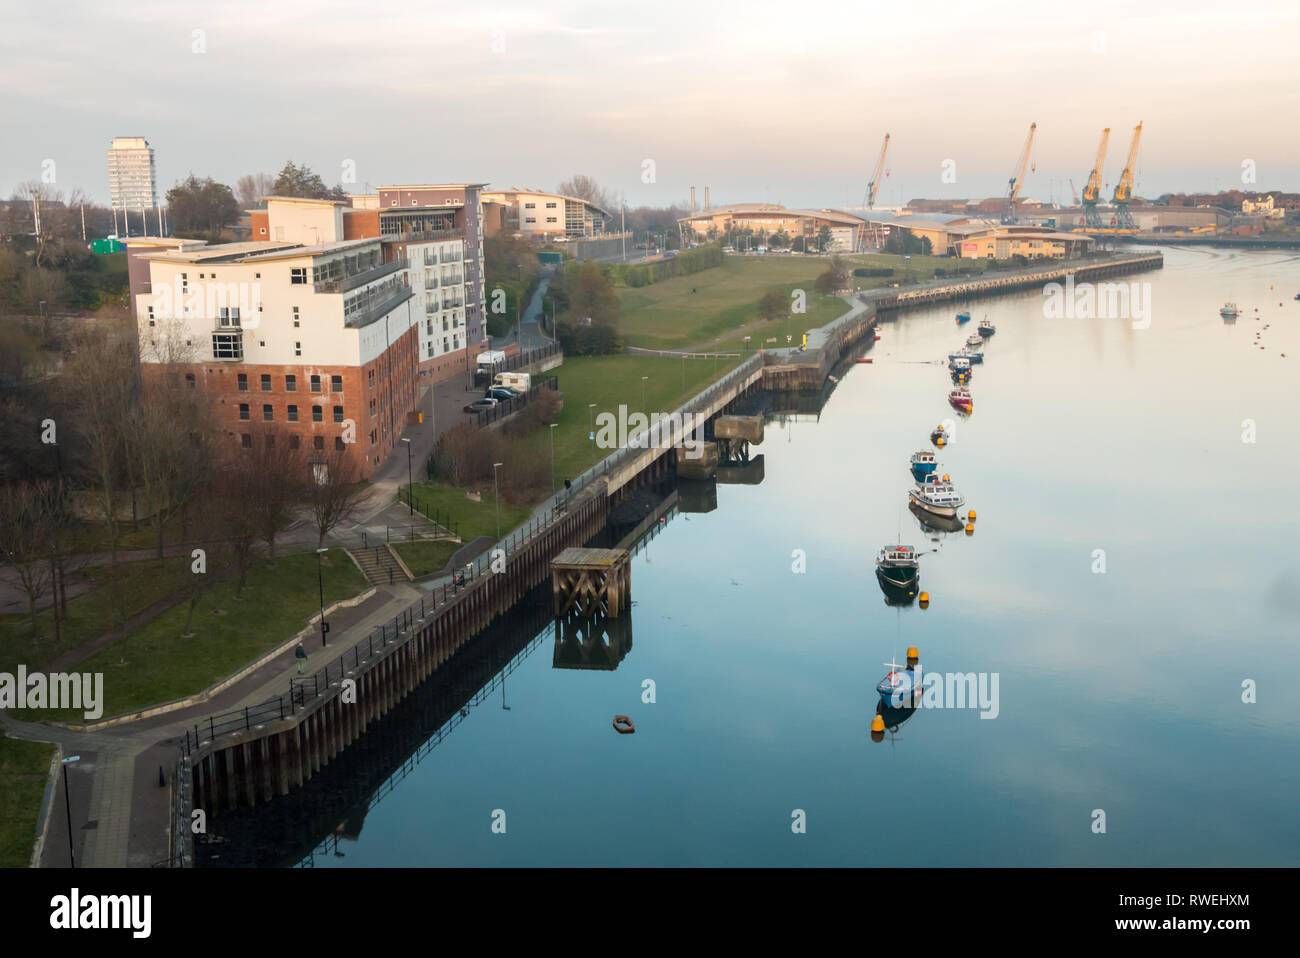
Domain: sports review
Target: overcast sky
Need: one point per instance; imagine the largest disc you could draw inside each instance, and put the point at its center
(783, 102)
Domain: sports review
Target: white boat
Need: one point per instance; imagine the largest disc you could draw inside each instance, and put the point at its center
(975, 340)
(1229, 311)
(937, 497)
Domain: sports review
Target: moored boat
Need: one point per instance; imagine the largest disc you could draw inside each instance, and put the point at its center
(923, 463)
(964, 353)
(987, 328)
(939, 435)
(1229, 311)
(938, 497)
(960, 399)
(963, 316)
(897, 568)
(900, 685)
(974, 340)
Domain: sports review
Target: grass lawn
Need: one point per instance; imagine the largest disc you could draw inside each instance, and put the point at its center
(609, 381)
(24, 767)
(669, 315)
(918, 267)
(116, 595)
(157, 664)
(425, 558)
(470, 519)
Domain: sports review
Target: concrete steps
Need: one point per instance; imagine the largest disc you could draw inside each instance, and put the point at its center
(379, 564)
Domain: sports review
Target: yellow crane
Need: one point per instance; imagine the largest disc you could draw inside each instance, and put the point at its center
(1092, 190)
(1124, 188)
(1013, 185)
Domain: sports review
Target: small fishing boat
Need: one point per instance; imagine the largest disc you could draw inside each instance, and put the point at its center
(938, 434)
(956, 363)
(923, 463)
(964, 353)
(938, 497)
(897, 568)
(987, 328)
(960, 399)
(963, 316)
(974, 340)
(900, 684)
(1229, 311)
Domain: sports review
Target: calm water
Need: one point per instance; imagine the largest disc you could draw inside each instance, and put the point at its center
(1119, 691)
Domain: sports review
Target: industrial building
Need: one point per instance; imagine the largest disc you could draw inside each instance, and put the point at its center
(764, 219)
(984, 239)
(546, 215)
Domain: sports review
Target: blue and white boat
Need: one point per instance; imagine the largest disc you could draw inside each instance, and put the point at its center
(963, 316)
(923, 463)
(898, 687)
(973, 356)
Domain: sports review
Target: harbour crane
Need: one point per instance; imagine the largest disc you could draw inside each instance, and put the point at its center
(1124, 188)
(873, 185)
(1092, 190)
(1013, 185)
(1074, 193)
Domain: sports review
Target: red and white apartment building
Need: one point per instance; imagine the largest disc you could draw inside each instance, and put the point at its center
(328, 323)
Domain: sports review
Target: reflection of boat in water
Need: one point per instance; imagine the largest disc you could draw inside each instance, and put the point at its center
(932, 523)
(890, 720)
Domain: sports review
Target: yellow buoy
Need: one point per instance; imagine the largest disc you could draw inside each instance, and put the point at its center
(970, 529)
(971, 515)
(877, 724)
(912, 653)
(925, 598)
(939, 441)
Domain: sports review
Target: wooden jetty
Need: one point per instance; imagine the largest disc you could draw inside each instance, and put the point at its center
(592, 581)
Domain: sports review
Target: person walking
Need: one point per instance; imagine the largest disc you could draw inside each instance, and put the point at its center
(301, 655)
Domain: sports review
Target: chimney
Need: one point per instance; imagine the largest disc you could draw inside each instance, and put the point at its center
(706, 199)
(692, 201)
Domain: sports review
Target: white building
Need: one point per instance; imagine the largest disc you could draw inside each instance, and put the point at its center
(131, 174)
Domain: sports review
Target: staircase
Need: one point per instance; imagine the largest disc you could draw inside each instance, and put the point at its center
(379, 564)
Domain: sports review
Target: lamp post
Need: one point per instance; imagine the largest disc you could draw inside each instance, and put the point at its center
(67, 804)
(410, 482)
(320, 582)
(553, 425)
(643, 379)
(496, 494)
(591, 429)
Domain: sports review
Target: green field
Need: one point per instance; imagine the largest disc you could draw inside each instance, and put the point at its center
(157, 663)
(24, 767)
(724, 305)
(425, 558)
(469, 519)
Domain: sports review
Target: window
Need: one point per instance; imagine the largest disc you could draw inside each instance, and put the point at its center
(243, 382)
(295, 441)
(550, 206)
(246, 440)
(268, 414)
(530, 219)
(262, 230)
(530, 206)
(298, 275)
(189, 380)
(336, 383)
(372, 377)
(293, 413)
(316, 414)
(291, 383)
(339, 443)
(266, 382)
(315, 384)
(552, 219)
(243, 411)
(297, 349)
(151, 315)
(318, 442)
(338, 413)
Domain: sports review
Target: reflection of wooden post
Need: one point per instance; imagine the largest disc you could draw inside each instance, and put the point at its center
(591, 581)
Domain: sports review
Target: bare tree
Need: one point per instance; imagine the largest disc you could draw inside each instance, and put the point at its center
(586, 188)
(251, 186)
(24, 539)
(332, 494)
(280, 479)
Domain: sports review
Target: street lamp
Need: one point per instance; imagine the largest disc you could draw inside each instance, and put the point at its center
(410, 482)
(591, 429)
(320, 582)
(553, 425)
(643, 379)
(67, 804)
(496, 494)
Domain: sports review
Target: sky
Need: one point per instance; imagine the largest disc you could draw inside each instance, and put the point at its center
(778, 102)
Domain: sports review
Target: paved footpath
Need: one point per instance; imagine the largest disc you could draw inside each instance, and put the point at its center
(120, 814)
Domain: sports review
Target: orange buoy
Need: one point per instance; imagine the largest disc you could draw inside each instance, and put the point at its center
(877, 724)
(623, 725)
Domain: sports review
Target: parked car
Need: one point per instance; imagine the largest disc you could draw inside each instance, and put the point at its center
(502, 393)
(487, 402)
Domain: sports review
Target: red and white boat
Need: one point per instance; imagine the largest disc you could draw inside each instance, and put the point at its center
(960, 400)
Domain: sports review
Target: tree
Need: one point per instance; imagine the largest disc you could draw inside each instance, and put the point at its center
(586, 188)
(593, 296)
(834, 279)
(823, 238)
(201, 206)
(332, 495)
(279, 477)
(773, 305)
(24, 536)
(250, 186)
(302, 181)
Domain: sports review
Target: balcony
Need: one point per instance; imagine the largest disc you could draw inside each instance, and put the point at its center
(453, 303)
(418, 236)
(430, 282)
(385, 301)
(346, 284)
(455, 279)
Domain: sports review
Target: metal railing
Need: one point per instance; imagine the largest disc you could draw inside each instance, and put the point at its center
(367, 315)
(344, 284)
(507, 407)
